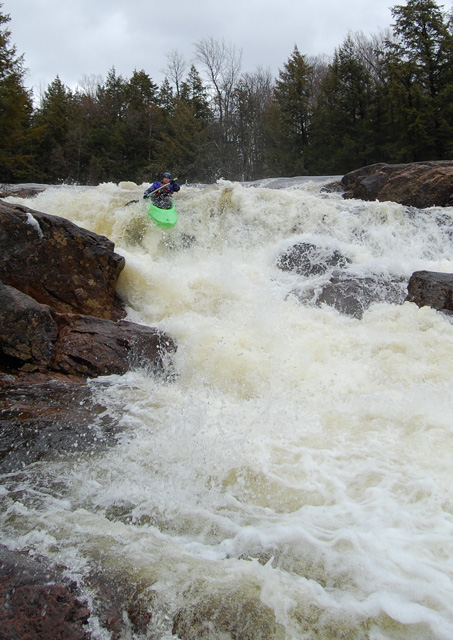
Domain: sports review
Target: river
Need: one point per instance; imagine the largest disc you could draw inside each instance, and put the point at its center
(293, 480)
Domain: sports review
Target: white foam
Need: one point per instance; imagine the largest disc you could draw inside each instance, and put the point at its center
(302, 457)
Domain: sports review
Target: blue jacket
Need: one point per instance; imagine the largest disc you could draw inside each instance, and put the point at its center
(170, 188)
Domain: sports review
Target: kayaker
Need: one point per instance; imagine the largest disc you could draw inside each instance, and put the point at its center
(160, 191)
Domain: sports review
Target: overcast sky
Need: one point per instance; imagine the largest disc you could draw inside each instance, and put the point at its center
(84, 38)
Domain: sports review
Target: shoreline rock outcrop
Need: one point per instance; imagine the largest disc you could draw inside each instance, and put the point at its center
(25, 190)
(58, 263)
(416, 184)
(59, 310)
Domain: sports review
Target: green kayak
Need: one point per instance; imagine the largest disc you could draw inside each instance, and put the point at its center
(165, 218)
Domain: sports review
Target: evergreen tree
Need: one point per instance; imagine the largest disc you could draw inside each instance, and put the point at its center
(52, 123)
(184, 145)
(194, 93)
(166, 97)
(289, 118)
(344, 124)
(16, 161)
(142, 114)
(183, 142)
(108, 148)
(420, 62)
(112, 96)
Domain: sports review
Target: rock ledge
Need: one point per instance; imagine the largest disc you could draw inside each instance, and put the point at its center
(417, 184)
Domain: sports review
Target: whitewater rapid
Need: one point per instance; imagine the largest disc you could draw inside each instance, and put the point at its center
(293, 481)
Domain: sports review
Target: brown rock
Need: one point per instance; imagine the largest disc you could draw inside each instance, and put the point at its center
(431, 289)
(22, 190)
(58, 304)
(38, 339)
(42, 419)
(42, 612)
(58, 263)
(417, 184)
(89, 346)
(31, 608)
(27, 330)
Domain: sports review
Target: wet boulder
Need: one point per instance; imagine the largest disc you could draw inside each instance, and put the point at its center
(417, 184)
(33, 337)
(346, 292)
(37, 602)
(92, 347)
(307, 259)
(59, 310)
(431, 289)
(57, 263)
(27, 329)
(22, 190)
(42, 419)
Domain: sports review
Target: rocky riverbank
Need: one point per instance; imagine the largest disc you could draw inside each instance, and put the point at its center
(61, 323)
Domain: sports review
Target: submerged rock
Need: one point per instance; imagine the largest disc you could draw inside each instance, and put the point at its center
(231, 614)
(308, 259)
(352, 296)
(26, 190)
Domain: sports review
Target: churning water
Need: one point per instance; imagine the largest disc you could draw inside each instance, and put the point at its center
(294, 479)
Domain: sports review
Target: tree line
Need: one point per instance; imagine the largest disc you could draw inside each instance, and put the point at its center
(381, 98)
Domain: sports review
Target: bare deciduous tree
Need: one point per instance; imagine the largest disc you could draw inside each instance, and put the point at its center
(176, 68)
(221, 63)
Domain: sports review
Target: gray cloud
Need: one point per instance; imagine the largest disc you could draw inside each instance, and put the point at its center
(87, 37)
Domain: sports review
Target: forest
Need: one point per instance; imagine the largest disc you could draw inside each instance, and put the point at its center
(386, 97)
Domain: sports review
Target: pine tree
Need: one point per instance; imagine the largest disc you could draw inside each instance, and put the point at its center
(184, 146)
(141, 115)
(16, 162)
(194, 93)
(53, 121)
(106, 136)
(420, 72)
(343, 136)
(289, 118)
